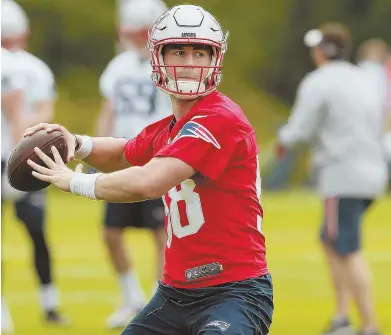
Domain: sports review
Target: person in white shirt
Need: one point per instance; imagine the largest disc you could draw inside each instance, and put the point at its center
(28, 94)
(336, 113)
(132, 102)
(11, 112)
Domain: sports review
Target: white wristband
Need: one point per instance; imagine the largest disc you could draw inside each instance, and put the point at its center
(85, 147)
(84, 184)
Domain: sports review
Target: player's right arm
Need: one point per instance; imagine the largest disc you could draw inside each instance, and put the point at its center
(110, 154)
(107, 153)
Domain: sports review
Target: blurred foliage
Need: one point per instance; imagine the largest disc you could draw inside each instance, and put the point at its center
(364, 18)
(265, 61)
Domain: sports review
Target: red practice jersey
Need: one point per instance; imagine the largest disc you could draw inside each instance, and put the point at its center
(214, 219)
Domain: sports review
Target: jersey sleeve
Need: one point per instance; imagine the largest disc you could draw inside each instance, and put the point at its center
(206, 143)
(139, 150)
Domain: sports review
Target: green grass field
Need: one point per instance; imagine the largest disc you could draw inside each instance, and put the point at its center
(303, 299)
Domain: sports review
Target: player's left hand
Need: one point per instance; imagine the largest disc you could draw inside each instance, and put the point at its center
(55, 172)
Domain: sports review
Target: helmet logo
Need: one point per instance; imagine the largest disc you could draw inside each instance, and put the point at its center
(189, 35)
(160, 19)
(158, 25)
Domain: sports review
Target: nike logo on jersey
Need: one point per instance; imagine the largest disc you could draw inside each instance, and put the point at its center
(196, 130)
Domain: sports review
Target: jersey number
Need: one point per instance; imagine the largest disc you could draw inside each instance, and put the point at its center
(194, 213)
(135, 97)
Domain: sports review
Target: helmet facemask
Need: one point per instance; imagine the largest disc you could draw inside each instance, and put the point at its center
(187, 89)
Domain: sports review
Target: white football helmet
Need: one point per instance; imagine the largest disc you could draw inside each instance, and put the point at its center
(187, 24)
(136, 18)
(14, 20)
(138, 14)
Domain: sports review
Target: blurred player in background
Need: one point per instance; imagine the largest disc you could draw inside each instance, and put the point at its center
(336, 112)
(372, 57)
(32, 88)
(12, 115)
(131, 103)
(203, 161)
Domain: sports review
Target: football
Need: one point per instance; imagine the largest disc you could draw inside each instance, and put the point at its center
(19, 172)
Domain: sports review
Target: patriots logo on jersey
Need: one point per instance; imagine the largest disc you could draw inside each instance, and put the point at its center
(196, 130)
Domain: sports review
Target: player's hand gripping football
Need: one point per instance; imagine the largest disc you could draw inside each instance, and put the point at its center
(55, 172)
(70, 138)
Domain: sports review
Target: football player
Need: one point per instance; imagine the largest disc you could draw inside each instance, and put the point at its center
(131, 102)
(32, 86)
(12, 114)
(203, 161)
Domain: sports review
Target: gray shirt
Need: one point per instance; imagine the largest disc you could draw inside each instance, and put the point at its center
(338, 114)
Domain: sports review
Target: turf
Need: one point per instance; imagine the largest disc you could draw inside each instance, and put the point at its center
(303, 298)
